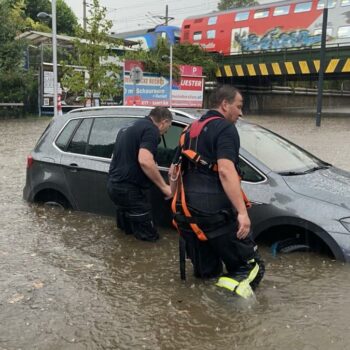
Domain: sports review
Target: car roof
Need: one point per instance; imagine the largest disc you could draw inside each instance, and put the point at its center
(127, 110)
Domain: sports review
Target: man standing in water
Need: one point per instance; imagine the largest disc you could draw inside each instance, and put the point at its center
(210, 208)
(132, 171)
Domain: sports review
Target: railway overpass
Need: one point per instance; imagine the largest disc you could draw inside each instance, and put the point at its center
(263, 78)
(264, 68)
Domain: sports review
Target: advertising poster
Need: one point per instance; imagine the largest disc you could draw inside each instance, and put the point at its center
(154, 90)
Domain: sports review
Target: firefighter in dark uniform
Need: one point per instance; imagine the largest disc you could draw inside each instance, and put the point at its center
(132, 171)
(210, 209)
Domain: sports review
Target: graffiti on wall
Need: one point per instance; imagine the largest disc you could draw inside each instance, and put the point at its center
(276, 39)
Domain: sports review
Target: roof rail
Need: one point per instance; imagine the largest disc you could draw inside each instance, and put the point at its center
(99, 108)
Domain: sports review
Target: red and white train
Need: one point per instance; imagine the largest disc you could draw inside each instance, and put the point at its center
(273, 26)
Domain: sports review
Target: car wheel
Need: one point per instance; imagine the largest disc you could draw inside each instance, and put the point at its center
(52, 199)
(289, 245)
(54, 204)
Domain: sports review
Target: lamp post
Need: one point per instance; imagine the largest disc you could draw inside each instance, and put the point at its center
(171, 76)
(43, 15)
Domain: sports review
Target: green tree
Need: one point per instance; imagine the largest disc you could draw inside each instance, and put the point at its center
(66, 19)
(94, 52)
(230, 4)
(157, 60)
(14, 79)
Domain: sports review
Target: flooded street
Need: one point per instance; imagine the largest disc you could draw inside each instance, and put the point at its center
(71, 280)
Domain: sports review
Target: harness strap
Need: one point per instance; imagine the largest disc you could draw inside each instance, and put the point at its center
(214, 219)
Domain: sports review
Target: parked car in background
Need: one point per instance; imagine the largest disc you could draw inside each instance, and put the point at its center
(296, 197)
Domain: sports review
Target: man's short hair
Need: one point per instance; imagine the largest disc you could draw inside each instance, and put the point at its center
(221, 93)
(159, 114)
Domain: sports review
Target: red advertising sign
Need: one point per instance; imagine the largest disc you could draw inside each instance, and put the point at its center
(192, 71)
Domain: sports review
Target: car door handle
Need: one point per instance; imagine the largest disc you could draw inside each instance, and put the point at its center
(73, 167)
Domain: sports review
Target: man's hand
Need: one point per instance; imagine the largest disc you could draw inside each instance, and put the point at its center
(243, 226)
(167, 192)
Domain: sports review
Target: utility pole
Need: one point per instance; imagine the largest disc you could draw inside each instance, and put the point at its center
(84, 15)
(322, 64)
(165, 18)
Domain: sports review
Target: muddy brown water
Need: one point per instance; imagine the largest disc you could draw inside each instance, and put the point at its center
(70, 280)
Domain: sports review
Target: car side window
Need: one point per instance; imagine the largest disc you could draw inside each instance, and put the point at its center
(248, 173)
(103, 134)
(66, 134)
(167, 147)
(79, 141)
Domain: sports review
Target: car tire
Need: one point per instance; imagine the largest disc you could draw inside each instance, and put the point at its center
(54, 204)
(289, 245)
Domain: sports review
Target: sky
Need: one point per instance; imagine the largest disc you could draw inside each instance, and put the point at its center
(139, 14)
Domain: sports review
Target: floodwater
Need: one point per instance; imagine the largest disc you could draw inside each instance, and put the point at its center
(71, 280)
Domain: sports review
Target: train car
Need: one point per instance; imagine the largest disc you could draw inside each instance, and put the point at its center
(273, 26)
(147, 38)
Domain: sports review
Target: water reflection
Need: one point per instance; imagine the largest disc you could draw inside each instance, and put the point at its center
(71, 280)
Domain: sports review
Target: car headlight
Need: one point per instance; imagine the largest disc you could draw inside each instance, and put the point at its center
(346, 223)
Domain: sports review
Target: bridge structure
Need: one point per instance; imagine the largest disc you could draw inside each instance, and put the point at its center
(303, 64)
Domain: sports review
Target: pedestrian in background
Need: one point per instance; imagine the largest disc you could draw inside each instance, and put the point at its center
(132, 171)
(210, 208)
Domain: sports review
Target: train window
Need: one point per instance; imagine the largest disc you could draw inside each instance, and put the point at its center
(197, 35)
(303, 7)
(281, 10)
(261, 13)
(345, 3)
(211, 34)
(344, 32)
(330, 4)
(212, 20)
(241, 16)
(319, 31)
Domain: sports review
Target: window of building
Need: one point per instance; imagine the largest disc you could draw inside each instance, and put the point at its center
(197, 35)
(211, 34)
(212, 20)
(345, 3)
(319, 31)
(241, 16)
(330, 4)
(281, 10)
(344, 32)
(261, 13)
(303, 7)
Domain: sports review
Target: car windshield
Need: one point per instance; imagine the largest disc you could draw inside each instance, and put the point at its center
(275, 152)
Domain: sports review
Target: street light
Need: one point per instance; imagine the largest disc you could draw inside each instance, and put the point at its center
(171, 76)
(170, 58)
(44, 15)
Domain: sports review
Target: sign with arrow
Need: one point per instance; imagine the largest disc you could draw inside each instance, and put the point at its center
(149, 89)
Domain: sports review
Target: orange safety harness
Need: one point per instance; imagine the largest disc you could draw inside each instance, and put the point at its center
(179, 199)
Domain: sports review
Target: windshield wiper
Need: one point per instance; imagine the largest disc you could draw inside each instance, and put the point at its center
(291, 173)
(316, 168)
(311, 170)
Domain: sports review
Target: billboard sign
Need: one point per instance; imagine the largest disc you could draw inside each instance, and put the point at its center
(154, 90)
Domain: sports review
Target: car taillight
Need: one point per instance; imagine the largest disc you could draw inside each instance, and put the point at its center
(30, 161)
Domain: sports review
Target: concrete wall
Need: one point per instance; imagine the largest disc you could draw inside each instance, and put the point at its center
(295, 102)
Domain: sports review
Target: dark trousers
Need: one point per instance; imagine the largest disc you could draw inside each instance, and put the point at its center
(207, 257)
(134, 215)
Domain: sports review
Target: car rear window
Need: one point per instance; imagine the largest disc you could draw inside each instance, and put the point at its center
(66, 134)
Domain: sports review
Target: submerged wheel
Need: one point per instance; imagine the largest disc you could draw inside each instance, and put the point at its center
(289, 245)
(54, 204)
(52, 199)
